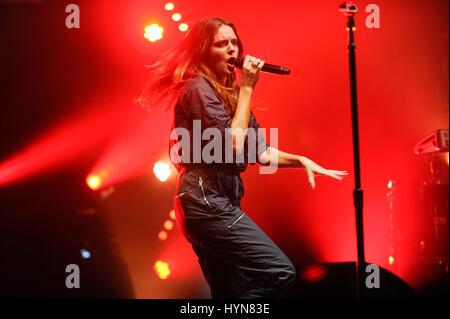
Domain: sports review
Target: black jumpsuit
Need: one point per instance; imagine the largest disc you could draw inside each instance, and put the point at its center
(237, 258)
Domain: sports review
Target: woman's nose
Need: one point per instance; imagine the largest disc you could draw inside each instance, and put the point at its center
(230, 48)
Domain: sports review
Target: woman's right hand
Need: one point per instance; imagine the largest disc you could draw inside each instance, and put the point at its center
(250, 71)
(313, 169)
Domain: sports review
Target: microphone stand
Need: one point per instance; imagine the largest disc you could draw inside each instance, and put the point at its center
(349, 10)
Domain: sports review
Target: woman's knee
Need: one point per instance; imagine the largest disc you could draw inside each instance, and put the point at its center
(287, 275)
(291, 273)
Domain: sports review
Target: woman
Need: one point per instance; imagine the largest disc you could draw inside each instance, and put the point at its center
(237, 258)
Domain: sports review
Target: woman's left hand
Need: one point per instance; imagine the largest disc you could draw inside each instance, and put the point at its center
(312, 169)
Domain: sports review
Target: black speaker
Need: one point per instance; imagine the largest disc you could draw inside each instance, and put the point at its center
(338, 280)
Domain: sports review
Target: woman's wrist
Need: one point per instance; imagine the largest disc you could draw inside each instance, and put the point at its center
(246, 89)
(301, 161)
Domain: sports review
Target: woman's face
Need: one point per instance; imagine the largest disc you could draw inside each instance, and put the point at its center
(224, 46)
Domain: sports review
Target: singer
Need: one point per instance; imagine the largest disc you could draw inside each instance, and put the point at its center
(197, 81)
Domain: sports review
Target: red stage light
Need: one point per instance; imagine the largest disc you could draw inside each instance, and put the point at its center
(153, 32)
(389, 185)
(162, 269)
(162, 235)
(391, 260)
(176, 17)
(172, 214)
(93, 181)
(183, 27)
(168, 225)
(65, 143)
(314, 273)
(162, 171)
(169, 6)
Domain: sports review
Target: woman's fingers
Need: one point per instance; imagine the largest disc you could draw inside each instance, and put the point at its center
(248, 62)
(337, 174)
(311, 180)
(250, 71)
(252, 62)
(332, 173)
(313, 169)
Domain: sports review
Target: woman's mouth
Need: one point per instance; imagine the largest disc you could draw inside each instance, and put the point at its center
(229, 63)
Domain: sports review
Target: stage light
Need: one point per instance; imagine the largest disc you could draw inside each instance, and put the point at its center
(389, 185)
(93, 181)
(86, 254)
(169, 6)
(176, 17)
(96, 179)
(172, 214)
(314, 273)
(162, 235)
(162, 269)
(183, 27)
(153, 32)
(168, 225)
(391, 260)
(162, 171)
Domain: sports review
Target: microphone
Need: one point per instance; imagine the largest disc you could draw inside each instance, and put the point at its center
(270, 68)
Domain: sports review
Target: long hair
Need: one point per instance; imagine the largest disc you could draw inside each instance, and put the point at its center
(188, 59)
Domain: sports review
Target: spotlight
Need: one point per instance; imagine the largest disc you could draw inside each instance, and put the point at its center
(94, 181)
(86, 254)
(162, 235)
(168, 225)
(183, 27)
(391, 260)
(162, 171)
(176, 17)
(169, 6)
(314, 273)
(162, 269)
(153, 32)
(172, 214)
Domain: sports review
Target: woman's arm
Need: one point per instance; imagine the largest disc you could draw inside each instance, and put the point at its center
(239, 124)
(277, 158)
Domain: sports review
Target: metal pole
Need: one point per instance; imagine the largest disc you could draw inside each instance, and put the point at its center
(349, 11)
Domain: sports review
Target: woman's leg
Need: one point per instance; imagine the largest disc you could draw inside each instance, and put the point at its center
(237, 258)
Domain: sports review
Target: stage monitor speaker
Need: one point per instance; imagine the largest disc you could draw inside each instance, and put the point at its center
(338, 280)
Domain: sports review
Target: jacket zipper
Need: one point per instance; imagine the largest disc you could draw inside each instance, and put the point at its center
(181, 195)
(229, 227)
(200, 183)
